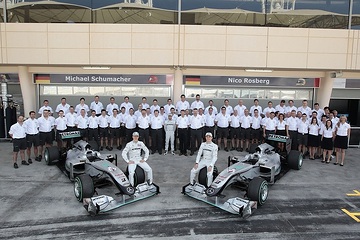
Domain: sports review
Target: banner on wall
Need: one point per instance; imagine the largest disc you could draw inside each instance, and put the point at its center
(346, 83)
(251, 81)
(103, 79)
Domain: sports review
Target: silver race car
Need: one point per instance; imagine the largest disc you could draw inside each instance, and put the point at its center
(90, 171)
(251, 174)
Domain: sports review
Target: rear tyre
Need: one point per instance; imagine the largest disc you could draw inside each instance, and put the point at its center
(83, 187)
(252, 148)
(295, 159)
(139, 176)
(51, 154)
(94, 145)
(258, 190)
(203, 175)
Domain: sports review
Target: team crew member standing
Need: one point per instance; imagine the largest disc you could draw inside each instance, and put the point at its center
(157, 123)
(182, 104)
(169, 127)
(211, 105)
(114, 126)
(256, 127)
(111, 106)
(130, 124)
(127, 105)
(281, 129)
(103, 120)
(327, 140)
(46, 124)
(197, 103)
(81, 106)
(256, 106)
(31, 126)
(70, 119)
(210, 121)
(17, 133)
(60, 126)
(206, 157)
(81, 123)
(245, 130)
(169, 106)
(196, 123)
(143, 123)
(132, 155)
(97, 106)
(63, 106)
(222, 121)
(229, 109)
(291, 129)
(303, 130)
(313, 139)
(93, 124)
(182, 124)
(45, 107)
(269, 125)
(235, 131)
(342, 130)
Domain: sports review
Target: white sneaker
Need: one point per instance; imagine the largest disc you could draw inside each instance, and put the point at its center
(165, 153)
(172, 152)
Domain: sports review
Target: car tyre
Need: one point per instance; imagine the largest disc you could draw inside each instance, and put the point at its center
(203, 175)
(258, 190)
(94, 145)
(139, 176)
(295, 159)
(83, 187)
(51, 154)
(252, 148)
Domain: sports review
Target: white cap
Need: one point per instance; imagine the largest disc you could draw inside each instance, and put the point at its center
(135, 134)
(208, 134)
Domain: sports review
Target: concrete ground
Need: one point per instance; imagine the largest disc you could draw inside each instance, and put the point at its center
(37, 202)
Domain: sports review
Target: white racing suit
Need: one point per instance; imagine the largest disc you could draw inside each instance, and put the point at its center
(209, 153)
(169, 128)
(132, 152)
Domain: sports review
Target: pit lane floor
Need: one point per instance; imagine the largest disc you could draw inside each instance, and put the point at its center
(37, 202)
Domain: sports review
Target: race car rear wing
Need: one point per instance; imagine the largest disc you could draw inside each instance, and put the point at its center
(70, 135)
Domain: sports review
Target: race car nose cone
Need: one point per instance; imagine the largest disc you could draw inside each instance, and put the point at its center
(210, 191)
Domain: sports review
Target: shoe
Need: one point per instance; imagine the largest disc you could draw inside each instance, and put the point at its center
(101, 148)
(152, 152)
(226, 149)
(119, 147)
(107, 147)
(185, 154)
(180, 154)
(328, 161)
(165, 153)
(341, 164)
(322, 161)
(247, 150)
(160, 153)
(238, 149)
(40, 157)
(37, 159)
(232, 149)
(335, 163)
(241, 149)
(172, 153)
(111, 148)
(23, 162)
(30, 161)
(15, 165)
(191, 153)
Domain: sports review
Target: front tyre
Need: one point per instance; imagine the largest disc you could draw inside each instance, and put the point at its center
(258, 190)
(83, 187)
(203, 175)
(51, 154)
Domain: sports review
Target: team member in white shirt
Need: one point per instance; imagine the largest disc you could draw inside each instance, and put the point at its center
(155, 106)
(81, 106)
(130, 124)
(157, 140)
(97, 106)
(103, 120)
(70, 119)
(240, 108)
(144, 104)
(256, 127)
(60, 126)
(31, 126)
(210, 121)
(122, 116)
(269, 125)
(46, 125)
(327, 143)
(222, 121)
(245, 130)
(143, 122)
(281, 129)
(291, 130)
(269, 108)
(256, 106)
(303, 130)
(211, 105)
(313, 139)
(127, 105)
(45, 107)
(281, 108)
(93, 125)
(342, 133)
(111, 106)
(182, 124)
(305, 108)
(318, 110)
(197, 103)
(290, 108)
(81, 122)
(235, 134)
(17, 133)
(137, 113)
(63, 106)
(182, 104)
(168, 106)
(229, 109)
(196, 124)
(114, 129)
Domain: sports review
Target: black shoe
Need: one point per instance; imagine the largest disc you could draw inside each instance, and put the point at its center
(185, 154)
(111, 148)
(119, 147)
(247, 150)
(30, 161)
(191, 153)
(152, 152)
(232, 149)
(24, 162)
(40, 157)
(15, 165)
(241, 149)
(180, 154)
(101, 148)
(226, 149)
(37, 159)
(160, 153)
(238, 149)
(108, 148)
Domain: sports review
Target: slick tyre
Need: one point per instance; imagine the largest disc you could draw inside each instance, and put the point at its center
(83, 187)
(202, 179)
(139, 176)
(51, 154)
(295, 159)
(258, 190)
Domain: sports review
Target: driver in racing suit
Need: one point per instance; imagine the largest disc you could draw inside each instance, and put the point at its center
(209, 152)
(133, 150)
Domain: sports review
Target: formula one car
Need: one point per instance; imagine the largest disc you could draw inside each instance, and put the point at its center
(251, 174)
(90, 171)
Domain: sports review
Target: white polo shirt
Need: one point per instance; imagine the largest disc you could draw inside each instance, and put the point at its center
(256, 122)
(280, 109)
(252, 109)
(60, 123)
(182, 122)
(65, 108)
(110, 107)
(222, 120)
(93, 122)
(79, 107)
(289, 109)
(245, 121)
(127, 106)
(306, 110)
(143, 122)
(327, 133)
(156, 122)
(17, 131)
(215, 111)
(314, 129)
(97, 107)
(130, 121)
(182, 105)
(342, 129)
(240, 109)
(281, 125)
(267, 109)
(197, 104)
(81, 122)
(229, 110)
(114, 121)
(292, 122)
(41, 110)
(70, 118)
(31, 126)
(46, 125)
(153, 108)
(168, 107)
(303, 127)
(196, 122)
(210, 120)
(235, 121)
(103, 121)
(270, 124)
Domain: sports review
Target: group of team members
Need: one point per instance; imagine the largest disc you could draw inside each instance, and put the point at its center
(317, 130)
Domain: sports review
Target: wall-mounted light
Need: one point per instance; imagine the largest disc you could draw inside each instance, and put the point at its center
(95, 68)
(259, 70)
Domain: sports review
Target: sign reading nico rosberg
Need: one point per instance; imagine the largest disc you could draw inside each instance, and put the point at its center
(103, 78)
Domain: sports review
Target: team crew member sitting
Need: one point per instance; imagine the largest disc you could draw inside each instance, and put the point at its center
(17, 133)
(206, 157)
(132, 155)
(31, 126)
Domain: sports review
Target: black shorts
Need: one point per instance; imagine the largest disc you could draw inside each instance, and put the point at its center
(341, 142)
(222, 132)
(313, 141)
(281, 132)
(235, 133)
(70, 129)
(104, 132)
(58, 135)
(32, 140)
(302, 139)
(114, 132)
(19, 144)
(122, 131)
(46, 138)
(245, 133)
(256, 133)
(327, 144)
(83, 132)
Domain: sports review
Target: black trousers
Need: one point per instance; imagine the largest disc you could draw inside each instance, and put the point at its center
(93, 134)
(144, 136)
(293, 137)
(157, 139)
(183, 139)
(128, 134)
(196, 136)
